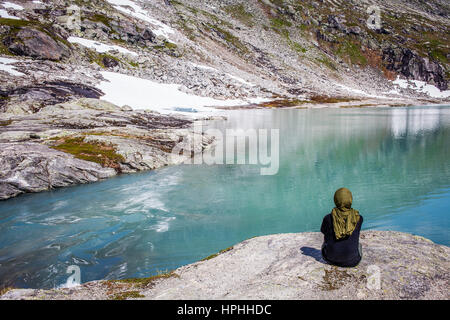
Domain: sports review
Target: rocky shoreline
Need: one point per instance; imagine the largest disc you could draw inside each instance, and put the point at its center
(87, 140)
(395, 265)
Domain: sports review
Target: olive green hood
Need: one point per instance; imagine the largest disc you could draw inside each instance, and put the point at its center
(345, 218)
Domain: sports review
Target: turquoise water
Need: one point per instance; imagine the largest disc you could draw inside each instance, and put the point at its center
(395, 161)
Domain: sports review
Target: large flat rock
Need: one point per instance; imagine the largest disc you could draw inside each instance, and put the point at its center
(288, 266)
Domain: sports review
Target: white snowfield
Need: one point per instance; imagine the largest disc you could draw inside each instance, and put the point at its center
(199, 66)
(141, 93)
(132, 9)
(360, 92)
(5, 14)
(99, 46)
(5, 65)
(10, 5)
(421, 86)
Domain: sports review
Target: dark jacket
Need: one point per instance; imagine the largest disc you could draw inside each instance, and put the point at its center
(343, 252)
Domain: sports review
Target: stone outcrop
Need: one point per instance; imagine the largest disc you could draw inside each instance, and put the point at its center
(410, 65)
(30, 98)
(36, 44)
(33, 167)
(287, 266)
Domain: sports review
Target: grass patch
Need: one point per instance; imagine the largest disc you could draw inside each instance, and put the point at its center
(102, 19)
(146, 282)
(358, 106)
(229, 38)
(127, 295)
(169, 48)
(279, 23)
(5, 290)
(216, 254)
(100, 153)
(238, 12)
(170, 45)
(326, 62)
(133, 64)
(282, 103)
(95, 57)
(14, 23)
(351, 52)
(297, 47)
(326, 99)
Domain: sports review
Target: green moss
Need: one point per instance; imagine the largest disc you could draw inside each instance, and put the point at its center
(102, 19)
(323, 60)
(238, 12)
(230, 38)
(358, 106)
(169, 48)
(142, 283)
(297, 47)
(170, 45)
(279, 23)
(95, 57)
(352, 52)
(326, 99)
(95, 152)
(127, 295)
(5, 290)
(216, 254)
(133, 64)
(119, 41)
(281, 103)
(14, 23)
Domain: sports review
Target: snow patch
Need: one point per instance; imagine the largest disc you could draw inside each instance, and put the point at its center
(5, 65)
(360, 92)
(240, 80)
(141, 93)
(199, 66)
(5, 14)
(10, 5)
(100, 47)
(421, 86)
(132, 9)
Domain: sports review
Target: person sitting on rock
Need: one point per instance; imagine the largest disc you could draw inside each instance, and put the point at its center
(341, 232)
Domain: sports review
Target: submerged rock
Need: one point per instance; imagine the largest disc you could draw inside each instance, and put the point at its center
(395, 265)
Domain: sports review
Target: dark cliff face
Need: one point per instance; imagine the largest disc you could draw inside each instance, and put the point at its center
(412, 45)
(412, 66)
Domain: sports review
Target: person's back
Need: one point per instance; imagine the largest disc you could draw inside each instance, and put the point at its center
(341, 232)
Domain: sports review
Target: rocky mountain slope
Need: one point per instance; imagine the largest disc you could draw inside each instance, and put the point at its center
(223, 49)
(181, 57)
(286, 266)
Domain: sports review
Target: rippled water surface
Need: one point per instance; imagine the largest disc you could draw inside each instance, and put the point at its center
(395, 161)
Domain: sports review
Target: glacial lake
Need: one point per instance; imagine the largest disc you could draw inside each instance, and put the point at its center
(396, 161)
